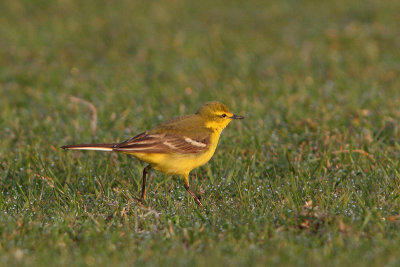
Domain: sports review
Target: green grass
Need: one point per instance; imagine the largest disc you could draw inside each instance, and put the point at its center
(310, 177)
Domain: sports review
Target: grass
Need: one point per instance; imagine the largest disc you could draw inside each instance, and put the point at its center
(311, 176)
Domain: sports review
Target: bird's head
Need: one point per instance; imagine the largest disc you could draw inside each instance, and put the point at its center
(216, 115)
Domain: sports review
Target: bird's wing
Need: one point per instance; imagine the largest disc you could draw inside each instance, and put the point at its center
(168, 142)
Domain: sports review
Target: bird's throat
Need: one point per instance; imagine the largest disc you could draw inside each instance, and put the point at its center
(217, 128)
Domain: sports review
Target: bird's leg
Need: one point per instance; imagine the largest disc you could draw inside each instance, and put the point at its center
(145, 171)
(196, 199)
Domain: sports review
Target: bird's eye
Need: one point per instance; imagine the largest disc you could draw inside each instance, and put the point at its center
(223, 115)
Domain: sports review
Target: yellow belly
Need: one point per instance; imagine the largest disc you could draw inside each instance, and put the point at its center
(180, 164)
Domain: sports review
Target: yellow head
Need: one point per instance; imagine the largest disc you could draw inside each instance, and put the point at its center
(216, 115)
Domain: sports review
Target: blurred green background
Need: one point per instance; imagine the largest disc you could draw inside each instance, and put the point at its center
(310, 177)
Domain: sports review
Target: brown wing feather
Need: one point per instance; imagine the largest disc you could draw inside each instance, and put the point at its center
(132, 140)
(162, 143)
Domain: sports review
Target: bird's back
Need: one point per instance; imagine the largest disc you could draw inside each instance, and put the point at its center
(192, 126)
(191, 145)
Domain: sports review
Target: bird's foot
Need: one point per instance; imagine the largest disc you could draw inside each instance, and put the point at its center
(139, 200)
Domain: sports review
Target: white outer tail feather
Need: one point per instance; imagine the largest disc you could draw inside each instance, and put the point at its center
(91, 148)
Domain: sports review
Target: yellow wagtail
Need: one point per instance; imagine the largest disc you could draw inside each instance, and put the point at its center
(176, 146)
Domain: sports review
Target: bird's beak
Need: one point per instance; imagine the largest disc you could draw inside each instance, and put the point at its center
(237, 117)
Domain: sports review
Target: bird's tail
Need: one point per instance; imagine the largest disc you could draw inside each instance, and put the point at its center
(100, 147)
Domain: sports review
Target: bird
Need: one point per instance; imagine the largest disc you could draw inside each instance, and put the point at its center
(176, 146)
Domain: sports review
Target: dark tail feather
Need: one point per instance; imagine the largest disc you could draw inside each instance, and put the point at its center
(100, 147)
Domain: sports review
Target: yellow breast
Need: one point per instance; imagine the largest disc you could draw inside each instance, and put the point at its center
(180, 164)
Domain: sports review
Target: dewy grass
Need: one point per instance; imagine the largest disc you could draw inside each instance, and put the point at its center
(311, 176)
